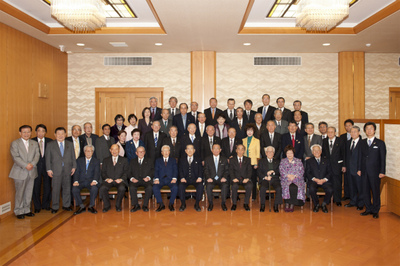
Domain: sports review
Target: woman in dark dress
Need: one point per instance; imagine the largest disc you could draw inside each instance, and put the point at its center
(145, 122)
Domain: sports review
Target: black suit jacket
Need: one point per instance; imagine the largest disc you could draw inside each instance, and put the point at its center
(140, 172)
(228, 119)
(94, 138)
(175, 150)
(209, 119)
(250, 119)
(185, 140)
(119, 171)
(299, 144)
(235, 171)
(223, 168)
(263, 168)
(337, 157)
(351, 161)
(157, 115)
(304, 117)
(152, 151)
(269, 115)
(178, 122)
(205, 146)
(81, 145)
(239, 132)
(114, 132)
(265, 141)
(226, 147)
(373, 158)
(196, 169)
(321, 171)
(42, 160)
(165, 129)
(84, 176)
(286, 114)
(260, 131)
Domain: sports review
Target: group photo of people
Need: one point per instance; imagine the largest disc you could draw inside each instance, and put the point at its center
(273, 153)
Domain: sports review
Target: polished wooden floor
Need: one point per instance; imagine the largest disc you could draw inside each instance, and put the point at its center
(202, 238)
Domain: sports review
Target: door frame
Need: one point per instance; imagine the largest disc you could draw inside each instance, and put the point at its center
(124, 90)
(392, 110)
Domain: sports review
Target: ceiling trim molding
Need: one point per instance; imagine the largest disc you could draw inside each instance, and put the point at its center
(112, 30)
(375, 18)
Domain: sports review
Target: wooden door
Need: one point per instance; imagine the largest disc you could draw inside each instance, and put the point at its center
(124, 101)
(394, 103)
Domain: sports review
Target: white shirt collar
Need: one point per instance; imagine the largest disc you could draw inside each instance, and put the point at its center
(215, 157)
(333, 139)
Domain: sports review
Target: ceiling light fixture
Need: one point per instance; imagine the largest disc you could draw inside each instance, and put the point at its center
(368, 44)
(79, 16)
(80, 44)
(326, 44)
(158, 44)
(246, 44)
(321, 16)
(119, 44)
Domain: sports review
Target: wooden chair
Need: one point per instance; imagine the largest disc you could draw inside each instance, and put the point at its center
(163, 190)
(321, 192)
(216, 189)
(241, 190)
(86, 192)
(139, 191)
(114, 191)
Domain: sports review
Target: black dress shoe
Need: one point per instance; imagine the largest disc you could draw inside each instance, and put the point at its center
(316, 208)
(20, 216)
(365, 213)
(223, 206)
(92, 210)
(210, 207)
(37, 210)
(136, 208)
(67, 209)
(171, 207)
(145, 208)
(276, 208)
(339, 204)
(29, 214)
(345, 198)
(160, 207)
(106, 209)
(246, 207)
(80, 210)
(47, 209)
(349, 205)
(324, 209)
(54, 211)
(118, 209)
(262, 208)
(360, 208)
(375, 215)
(182, 208)
(197, 207)
(233, 208)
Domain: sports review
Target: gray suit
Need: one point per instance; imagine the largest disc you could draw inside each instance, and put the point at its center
(170, 113)
(102, 148)
(164, 128)
(316, 139)
(23, 178)
(283, 128)
(61, 167)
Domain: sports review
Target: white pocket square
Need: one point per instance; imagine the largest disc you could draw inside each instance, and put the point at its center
(375, 147)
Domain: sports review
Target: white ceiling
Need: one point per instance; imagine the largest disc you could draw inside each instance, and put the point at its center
(213, 25)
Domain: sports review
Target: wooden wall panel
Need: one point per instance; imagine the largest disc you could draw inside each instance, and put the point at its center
(393, 195)
(359, 84)
(24, 63)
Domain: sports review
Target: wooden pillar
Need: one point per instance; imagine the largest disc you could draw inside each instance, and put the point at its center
(351, 87)
(203, 77)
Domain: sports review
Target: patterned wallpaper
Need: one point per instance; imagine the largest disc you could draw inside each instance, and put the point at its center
(393, 155)
(315, 83)
(381, 72)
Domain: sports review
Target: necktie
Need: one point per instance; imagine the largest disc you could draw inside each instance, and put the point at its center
(26, 146)
(173, 142)
(213, 113)
(41, 147)
(240, 162)
(231, 115)
(155, 140)
(194, 115)
(293, 140)
(77, 151)
(352, 145)
(201, 130)
(309, 141)
(184, 121)
(271, 137)
(216, 167)
(190, 160)
(269, 160)
(248, 115)
(318, 161)
(166, 123)
(192, 139)
(211, 143)
(231, 146)
(240, 124)
(330, 147)
(62, 149)
(87, 164)
(140, 161)
(152, 114)
(279, 123)
(114, 161)
(264, 112)
(173, 112)
(348, 136)
(369, 143)
(165, 162)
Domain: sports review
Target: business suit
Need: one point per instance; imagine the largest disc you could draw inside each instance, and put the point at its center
(61, 165)
(260, 129)
(265, 141)
(156, 115)
(352, 164)
(315, 139)
(86, 141)
(175, 150)
(130, 149)
(239, 130)
(269, 115)
(42, 172)
(190, 172)
(227, 114)
(165, 128)
(195, 116)
(264, 167)
(282, 128)
(172, 114)
(186, 140)
(144, 128)
(115, 130)
(23, 179)
(319, 171)
(286, 114)
(240, 171)
(153, 151)
(373, 163)
(102, 147)
(209, 119)
(140, 172)
(114, 172)
(85, 177)
(304, 117)
(253, 152)
(198, 129)
(346, 177)
(206, 145)
(216, 175)
(336, 161)
(178, 122)
(298, 144)
(227, 150)
(248, 118)
(165, 174)
(81, 145)
(301, 128)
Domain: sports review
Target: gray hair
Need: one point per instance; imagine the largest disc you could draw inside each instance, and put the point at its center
(165, 147)
(277, 110)
(269, 147)
(88, 146)
(356, 127)
(316, 145)
(151, 98)
(334, 128)
(72, 128)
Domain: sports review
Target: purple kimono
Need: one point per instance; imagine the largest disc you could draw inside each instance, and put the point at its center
(294, 168)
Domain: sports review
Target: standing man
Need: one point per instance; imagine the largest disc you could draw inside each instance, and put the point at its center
(310, 139)
(61, 165)
(294, 139)
(88, 137)
(42, 141)
(77, 142)
(212, 112)
(182, 120)
(297, 107)
(230, 112)
(174, 143)
(373, 168)
(103, 144)
(271, 138)
(238, 123)
(201, 125)
(194, 106)
(323, 129)
(207, 143)
(155, 112)
(281, 125)
(191, 138)
(266, 110)
(153, 141)
(300, 124)
(229, 144)
(348, 124)
(165, 122)
(172, 111)
(25, 153)
(248, 114)
(286, 113)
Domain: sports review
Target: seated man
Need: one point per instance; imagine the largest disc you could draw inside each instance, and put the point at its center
(113, 173)
(240, 173)
(268, 174)
(166, 174)
(87, 175)
(141, 170)
(190, 173)
(318, 174)
(216, 172)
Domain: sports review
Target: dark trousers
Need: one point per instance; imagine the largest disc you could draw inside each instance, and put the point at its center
(247, 187)
(37, 186)
(57, 182)
(223, 186)
(76, 191)
(105, 187)
(254, 181)
(148, 191)
(372, 183)
(356, 192)
(275, 184)
(313, 187)
(346, 185)
(165, 181)
(199, 191)
(337, 187)
(293, 196)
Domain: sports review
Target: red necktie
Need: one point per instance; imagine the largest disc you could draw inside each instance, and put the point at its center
(293, 140)
(240, 162)
(165, 162)
(152, 115)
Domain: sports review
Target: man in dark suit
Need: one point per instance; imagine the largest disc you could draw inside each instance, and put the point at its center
(216, 172)
(165, 122)
(114, 174)
(174, 143)
(190, 173)
(153, 141)
(88, 137)
(281, 125)
(77, 142)
(166, 174)
(318, 174)
(310, 138)
(300, 124)
(42, 141)
(350, 167)
(212, 112)
(141, 172)
(239, 123)
(87, 175)
(61, 165)
(373, 168)
(182, 120)
(294, 139)
(240, 174)
(348, 124)
(297, 107)
(191, 138)
(267, 111)
(201, 125)
(323, 129)
(230, 112)
(260, 126)
(332, 149)
(286, 113)
(155, 112)
(229, 144)
(207, 142)
(103, 144)
(271, 138)
(268, 175)
(194, 106)
(248, 114)
(173, 110)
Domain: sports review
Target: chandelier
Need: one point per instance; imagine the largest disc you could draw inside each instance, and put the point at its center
(79, 16)
(321, 15)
